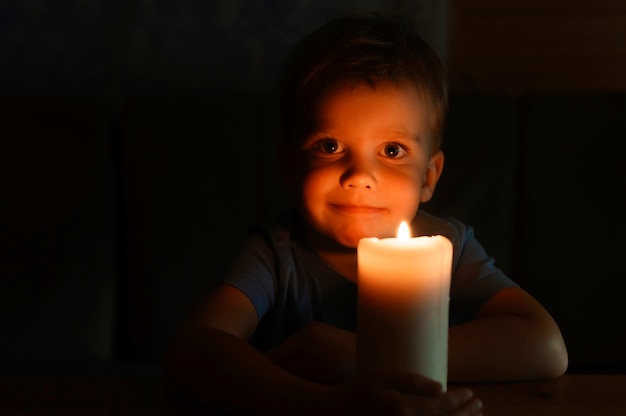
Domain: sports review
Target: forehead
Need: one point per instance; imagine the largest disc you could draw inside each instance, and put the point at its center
(385, 106)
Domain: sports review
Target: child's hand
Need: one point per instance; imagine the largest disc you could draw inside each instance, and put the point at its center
(327, 354)
(405, 394)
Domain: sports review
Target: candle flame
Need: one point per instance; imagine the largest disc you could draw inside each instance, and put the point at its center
(404, 234)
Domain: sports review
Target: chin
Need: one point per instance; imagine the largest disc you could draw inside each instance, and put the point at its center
(351, 243)
(351, 238)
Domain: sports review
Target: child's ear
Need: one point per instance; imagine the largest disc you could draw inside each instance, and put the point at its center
(431, 177)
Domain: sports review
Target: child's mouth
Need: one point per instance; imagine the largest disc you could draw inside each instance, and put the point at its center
(354, 209)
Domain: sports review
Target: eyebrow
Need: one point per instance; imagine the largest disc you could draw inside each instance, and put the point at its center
(412, 137)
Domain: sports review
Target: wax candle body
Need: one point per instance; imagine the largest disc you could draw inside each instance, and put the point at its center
(403, 304)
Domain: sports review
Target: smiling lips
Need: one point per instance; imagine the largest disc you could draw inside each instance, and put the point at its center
(354, 209)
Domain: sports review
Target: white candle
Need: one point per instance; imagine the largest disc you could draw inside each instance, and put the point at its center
(403, 303)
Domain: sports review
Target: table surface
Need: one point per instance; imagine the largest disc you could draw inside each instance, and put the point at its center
(575, 395)
(145, 393)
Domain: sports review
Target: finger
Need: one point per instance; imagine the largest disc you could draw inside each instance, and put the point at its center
(473, 408)
(411, 383)
(458, 400)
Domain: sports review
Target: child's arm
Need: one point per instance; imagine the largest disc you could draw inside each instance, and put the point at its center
(319, 352)
(210, 361)
(512, 338)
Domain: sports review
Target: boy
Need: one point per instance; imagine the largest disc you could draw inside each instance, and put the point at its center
(363, 105)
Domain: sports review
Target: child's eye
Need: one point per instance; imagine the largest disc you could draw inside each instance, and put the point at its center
(393, 151)
(328, 146)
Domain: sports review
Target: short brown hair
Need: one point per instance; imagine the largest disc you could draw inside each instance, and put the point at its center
(370, 48)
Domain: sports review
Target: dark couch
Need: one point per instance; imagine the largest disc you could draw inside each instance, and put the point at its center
(114, 219)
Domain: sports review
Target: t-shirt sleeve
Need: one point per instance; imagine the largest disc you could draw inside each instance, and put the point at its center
(475, 277)
(253, 272)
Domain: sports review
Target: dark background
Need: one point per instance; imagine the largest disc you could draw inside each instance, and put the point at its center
(137, 141)
(116, 48)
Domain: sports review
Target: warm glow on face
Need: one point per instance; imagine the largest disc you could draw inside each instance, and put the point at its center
(404, 234)
(351, 186)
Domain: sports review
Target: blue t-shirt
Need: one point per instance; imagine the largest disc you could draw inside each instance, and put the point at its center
(290, 285)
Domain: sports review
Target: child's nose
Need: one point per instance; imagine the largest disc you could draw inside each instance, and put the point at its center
(359, 175)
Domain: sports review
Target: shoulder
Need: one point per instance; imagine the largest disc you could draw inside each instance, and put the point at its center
(455, 230)
(260, 263)
(470, 260)
(280, 232)
(280, 244)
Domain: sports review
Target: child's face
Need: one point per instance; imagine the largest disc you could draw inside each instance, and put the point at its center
(369, 163)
